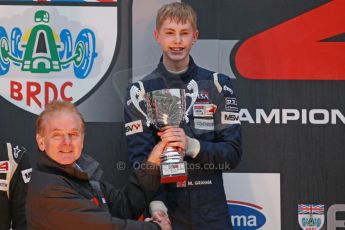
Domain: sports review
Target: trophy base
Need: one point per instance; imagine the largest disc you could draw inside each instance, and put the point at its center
(173, 172)
(173, 179)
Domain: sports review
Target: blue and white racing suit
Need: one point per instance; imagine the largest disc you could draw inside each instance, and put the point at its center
(200, 202)
(15, 174)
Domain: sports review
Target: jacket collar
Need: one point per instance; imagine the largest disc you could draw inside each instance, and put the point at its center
(86, 168)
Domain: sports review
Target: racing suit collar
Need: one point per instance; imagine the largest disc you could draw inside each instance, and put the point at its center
(185, 77)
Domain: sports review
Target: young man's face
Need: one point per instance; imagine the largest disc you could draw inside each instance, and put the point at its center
(176, 40)
(62, 137)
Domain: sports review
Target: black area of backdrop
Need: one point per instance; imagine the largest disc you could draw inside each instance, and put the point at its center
(239, 19)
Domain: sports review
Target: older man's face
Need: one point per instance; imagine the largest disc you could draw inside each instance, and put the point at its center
(62, 137)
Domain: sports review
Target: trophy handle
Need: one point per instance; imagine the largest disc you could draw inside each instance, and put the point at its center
(192, 85)
(137, 96)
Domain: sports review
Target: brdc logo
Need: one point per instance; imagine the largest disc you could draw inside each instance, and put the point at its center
(42, 52)
(57, 55)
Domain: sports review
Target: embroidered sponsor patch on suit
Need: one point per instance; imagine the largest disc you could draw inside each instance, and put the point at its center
(203, 98)
(3, 185)
(133, 127)
(204, 110)
(231, 104)
(230, 118)
(230, 101)
(231, 108)
(181, 184)
(26, 174)
(18, 150)
(4, 166)
(204, 124)
(226, 88)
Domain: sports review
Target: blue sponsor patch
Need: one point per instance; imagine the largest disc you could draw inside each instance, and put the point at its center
(246, 216)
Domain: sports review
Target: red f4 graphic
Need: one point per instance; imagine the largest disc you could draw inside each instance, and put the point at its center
(296, 49)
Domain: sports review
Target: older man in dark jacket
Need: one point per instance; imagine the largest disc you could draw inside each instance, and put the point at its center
(66, 191)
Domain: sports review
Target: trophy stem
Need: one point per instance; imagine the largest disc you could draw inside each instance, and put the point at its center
(171, 155)
(173, 168)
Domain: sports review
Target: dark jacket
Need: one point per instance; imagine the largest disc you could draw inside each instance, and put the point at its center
(199, 203)
(15, 174)
(73, 197)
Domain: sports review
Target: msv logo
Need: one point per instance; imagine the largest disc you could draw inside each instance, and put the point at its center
(246, 216)
(54, 52)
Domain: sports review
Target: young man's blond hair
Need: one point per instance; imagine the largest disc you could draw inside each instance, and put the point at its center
(178, 12)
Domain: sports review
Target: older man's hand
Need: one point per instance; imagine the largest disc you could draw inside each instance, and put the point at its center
(156, 152)
(161, 219)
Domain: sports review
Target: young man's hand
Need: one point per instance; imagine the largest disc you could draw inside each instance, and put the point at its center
(175, 137)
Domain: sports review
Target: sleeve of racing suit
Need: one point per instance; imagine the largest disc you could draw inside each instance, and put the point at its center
(5, 217)
(141, 139)
(18, 191)
(225, 150)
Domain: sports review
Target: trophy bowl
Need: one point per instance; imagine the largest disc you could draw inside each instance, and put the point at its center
(167, 108)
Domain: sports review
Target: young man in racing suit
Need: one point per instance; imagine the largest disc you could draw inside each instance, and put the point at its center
(211, 140)
(15, 173)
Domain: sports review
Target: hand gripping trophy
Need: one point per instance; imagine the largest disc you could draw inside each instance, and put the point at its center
(166, 108)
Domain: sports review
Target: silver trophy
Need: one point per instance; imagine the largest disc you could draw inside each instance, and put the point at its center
(167, 108)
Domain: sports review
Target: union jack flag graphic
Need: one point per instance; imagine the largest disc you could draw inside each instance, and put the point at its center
(317, 209)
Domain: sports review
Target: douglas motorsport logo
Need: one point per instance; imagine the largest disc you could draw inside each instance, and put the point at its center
(52, 53)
